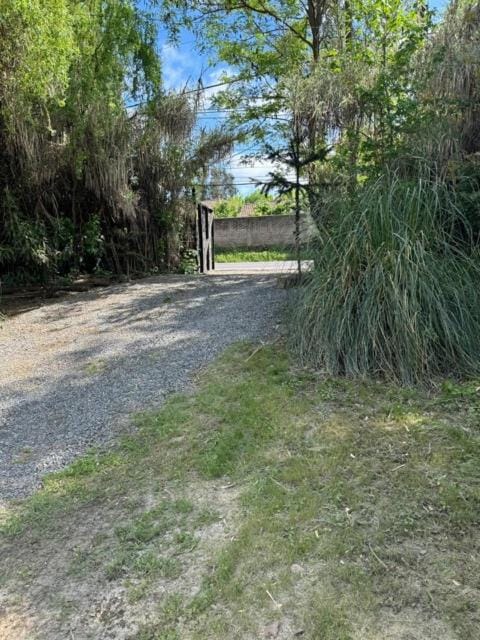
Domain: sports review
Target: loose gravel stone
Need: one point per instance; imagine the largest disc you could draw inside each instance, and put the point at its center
(72, 373)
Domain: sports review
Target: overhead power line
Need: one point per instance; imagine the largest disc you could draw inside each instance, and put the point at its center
(199, 89)
(250, 183)
(256, 182)
(231, 109)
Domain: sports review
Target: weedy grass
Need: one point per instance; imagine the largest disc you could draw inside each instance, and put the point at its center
(354, 513)
(260, 255)
(394, 289)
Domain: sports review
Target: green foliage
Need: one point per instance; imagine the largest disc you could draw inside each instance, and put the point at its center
(448, 88)
(360, 97)
(229, 208)
(38, 47)
(62, 128)
(261, 255)
(270, 206)
(85, 184)
(393, 290)
(189, 261)
(263, 205)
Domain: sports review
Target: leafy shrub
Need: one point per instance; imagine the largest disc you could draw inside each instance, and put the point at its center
(189, 261)
(263, 205)
(394, 291)
(229, 208)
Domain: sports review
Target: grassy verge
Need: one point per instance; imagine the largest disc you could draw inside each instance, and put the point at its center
(260, 255)
(272, 503)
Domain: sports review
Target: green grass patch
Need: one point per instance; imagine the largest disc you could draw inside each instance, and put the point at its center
(260, 255)
(354, 511)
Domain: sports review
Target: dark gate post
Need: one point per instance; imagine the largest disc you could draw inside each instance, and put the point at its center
(200, 237)
(205, 238)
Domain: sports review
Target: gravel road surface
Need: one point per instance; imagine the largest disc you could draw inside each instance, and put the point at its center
(73, 372)
(280, 267)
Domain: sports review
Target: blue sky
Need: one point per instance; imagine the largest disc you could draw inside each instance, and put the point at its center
(183, 66)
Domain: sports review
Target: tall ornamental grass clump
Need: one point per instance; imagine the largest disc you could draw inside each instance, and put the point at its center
(395, 291)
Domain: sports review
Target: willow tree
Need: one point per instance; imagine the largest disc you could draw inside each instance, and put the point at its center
(38, 45)
(85, 181)
(448, 84)
(63, 126)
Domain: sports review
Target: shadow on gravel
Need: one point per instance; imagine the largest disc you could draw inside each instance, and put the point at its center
(136, 351)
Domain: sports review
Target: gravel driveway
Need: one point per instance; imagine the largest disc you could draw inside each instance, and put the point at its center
(72, 372)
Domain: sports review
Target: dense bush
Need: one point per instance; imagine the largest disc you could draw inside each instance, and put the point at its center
(260, 203)
(96, 160)
(394, 291)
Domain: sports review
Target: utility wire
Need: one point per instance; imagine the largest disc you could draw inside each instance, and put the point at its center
(255, 181)
(233, 184)
(215, 119)
(199, 89)
(231, 109)
(203, 88)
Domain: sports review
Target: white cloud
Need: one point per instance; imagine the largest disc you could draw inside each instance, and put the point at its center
(182, 68)
(177, 68)
(258, 170)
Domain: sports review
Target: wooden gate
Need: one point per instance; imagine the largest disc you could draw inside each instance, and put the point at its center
(206, 238)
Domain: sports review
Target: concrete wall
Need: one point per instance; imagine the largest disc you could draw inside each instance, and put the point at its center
(257, 232)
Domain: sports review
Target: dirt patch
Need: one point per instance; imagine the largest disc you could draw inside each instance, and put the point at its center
(66, 588)
(410, 625)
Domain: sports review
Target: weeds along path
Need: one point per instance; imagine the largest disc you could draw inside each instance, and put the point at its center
(73, 372)
(272, 502)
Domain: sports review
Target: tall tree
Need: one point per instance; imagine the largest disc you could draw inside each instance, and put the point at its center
(265, 41)
(360, 52)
